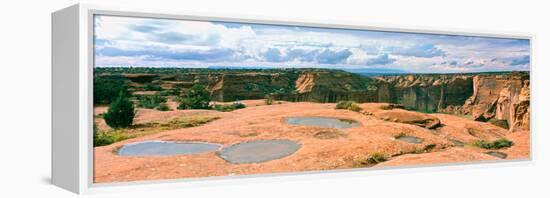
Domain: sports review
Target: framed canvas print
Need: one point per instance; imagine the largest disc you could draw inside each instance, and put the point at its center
(141, 96)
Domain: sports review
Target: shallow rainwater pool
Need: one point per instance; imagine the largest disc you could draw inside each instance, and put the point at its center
(409, 139)
(258, 151)
(166, 148)
(500, 155)
(324, 122)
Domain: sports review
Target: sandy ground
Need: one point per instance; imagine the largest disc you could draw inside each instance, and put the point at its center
(266, 122)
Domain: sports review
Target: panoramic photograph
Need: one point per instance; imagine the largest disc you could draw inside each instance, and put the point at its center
(178, 99)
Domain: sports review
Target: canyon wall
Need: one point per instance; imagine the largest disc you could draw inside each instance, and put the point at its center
(232, 87)
(311, 86)
(333, 87)
(425, 92)
(422, 92)
(500, 98)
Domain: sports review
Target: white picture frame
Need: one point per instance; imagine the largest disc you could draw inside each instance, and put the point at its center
(72, 96)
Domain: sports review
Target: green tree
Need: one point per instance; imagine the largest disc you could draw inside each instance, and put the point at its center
(150, 102)
(121, 112)
(197, 98)
(107, 89)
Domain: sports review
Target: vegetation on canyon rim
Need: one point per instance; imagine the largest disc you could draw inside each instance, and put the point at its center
(108, 89)
(152, 102)
(121, 111)
(197, 98)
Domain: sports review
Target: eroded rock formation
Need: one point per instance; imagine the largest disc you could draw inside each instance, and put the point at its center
(426, 92)
(408, 117)
(499, 98)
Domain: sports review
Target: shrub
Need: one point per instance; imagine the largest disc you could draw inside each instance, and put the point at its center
(349, 105)
(176, 91)
(372, 159)
(107, 89)
(121, 112)
(100, 139)
(197, 98)
(150, 102)
(268, 99)
(429, 147)
(238, 105)
(223, 108)
(184, 103)
(186, 122)
(497, 144)
(481, 144)
(106, 138)
(355, 108)
(377, 157)
(392, 106)
(163, 107)
(502, 143)
(165, 93)
(152, 87)
(96, 135)
(227, 108)
(343, 104)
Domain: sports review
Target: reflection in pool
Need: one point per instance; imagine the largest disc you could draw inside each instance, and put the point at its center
(165, 148)
(258, 151)
(324, 122)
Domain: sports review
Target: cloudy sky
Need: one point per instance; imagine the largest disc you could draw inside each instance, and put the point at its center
(126, 41)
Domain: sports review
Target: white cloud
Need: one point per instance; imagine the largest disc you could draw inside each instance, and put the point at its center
(249, 44)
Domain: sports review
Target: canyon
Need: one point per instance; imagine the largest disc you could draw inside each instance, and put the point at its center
(501, 98)
(398, 120)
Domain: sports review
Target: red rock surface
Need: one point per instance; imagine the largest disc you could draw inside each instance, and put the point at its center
(334, 152)
(408, 117)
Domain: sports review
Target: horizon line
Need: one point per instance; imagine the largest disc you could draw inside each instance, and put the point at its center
(390, 70)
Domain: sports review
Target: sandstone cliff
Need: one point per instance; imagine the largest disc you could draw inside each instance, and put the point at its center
(329, 86)
(501, 97)
(232, 87)
(425, 92)
(306, 85)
